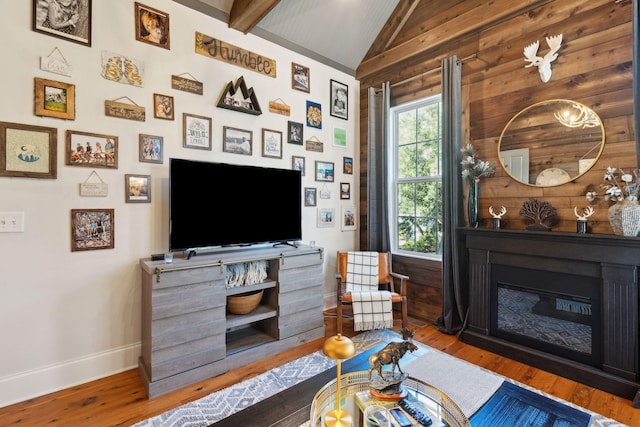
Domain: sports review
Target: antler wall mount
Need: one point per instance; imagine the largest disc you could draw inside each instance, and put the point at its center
(543, 62)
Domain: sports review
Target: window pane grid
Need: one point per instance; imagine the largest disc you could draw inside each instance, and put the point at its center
(417, 216)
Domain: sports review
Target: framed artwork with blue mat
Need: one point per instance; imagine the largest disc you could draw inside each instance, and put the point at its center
(512, 405)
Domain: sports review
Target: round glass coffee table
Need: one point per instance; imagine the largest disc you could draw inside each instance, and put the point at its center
(355, 396)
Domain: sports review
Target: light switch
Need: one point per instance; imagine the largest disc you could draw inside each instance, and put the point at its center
(11, 222)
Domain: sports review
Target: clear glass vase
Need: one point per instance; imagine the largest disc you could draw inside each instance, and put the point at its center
(473, 204)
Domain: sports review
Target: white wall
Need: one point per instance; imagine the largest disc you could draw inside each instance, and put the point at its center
(69, 317)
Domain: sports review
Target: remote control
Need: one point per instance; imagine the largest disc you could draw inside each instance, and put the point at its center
(416, 412)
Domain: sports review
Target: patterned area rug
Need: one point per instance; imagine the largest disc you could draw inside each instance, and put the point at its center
(516, 406)
(221, 404)
(468, 385)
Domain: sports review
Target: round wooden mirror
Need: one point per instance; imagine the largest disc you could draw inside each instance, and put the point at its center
(551, 143)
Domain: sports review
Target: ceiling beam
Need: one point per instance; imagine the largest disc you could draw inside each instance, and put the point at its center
(471, 21)
(246, 14)
(392, 27)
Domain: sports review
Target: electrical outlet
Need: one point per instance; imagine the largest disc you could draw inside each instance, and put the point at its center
(11, 222)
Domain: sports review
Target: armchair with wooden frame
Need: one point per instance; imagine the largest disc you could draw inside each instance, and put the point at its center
(387, 280)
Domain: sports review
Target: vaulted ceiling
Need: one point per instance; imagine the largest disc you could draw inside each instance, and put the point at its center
(337, 33)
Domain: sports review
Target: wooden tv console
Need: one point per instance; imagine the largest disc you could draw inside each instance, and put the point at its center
(187, 333)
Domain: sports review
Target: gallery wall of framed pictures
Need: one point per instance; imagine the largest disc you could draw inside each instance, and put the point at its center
(96, 105)
(305, 134)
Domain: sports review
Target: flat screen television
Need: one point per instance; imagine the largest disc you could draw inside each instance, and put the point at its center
(215, 205)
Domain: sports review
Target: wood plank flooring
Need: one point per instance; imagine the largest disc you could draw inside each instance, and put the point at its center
(120, 400)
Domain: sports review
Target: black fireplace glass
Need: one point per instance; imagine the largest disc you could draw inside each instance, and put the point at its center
(554, 318)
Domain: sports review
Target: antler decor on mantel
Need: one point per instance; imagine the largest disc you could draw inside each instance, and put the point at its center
(538, 212)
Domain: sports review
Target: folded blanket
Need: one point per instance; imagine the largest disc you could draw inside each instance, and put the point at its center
(372, 309)
(362, 271)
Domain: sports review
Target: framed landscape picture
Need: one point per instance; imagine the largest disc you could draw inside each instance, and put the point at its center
(326, 217)
(238, 141)
(54, 99)
(92, 229)
(68, 20)
(196, 131)
(137, 188)
(91, 150)
(324, 171)
(152, 26)
(28, 151)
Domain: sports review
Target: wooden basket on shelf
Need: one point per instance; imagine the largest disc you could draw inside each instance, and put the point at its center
(244, 303)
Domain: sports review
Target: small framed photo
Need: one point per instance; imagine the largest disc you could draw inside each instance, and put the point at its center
(326, 217)
(314, 115)
(300, 77)
(68, 20)
(324, 171)
(347, 165)
(271, 143)
(152, 26)
(339, 99)
(295, 132)
(238, 141)
(298, 164)
(91, 150)
(137, 188)
(150, 147)
(54, 99)
(92, 229)
(28, 151)
(196, 131)
(310, 196)
(345, 190)
(340, 137)
(163, 106)
(348, 218)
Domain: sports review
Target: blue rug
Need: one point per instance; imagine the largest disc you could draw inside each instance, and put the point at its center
(513, 406)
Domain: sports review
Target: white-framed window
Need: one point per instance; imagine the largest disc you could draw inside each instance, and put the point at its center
(415, 182)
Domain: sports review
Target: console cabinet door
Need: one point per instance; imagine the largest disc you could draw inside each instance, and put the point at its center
(301, 288)
(185, 322)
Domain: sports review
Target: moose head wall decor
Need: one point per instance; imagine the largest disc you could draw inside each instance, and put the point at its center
(543, 62)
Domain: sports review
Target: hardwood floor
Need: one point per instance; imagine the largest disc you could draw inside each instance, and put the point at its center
(120, 400)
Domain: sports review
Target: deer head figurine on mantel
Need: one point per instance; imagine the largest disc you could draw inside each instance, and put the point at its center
(543, 63)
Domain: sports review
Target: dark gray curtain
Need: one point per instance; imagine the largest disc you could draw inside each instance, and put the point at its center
(377, 197)
(454, 268)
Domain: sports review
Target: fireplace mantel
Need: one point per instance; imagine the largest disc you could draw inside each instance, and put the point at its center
(612, 260)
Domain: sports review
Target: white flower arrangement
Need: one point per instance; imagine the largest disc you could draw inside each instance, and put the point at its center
(473, 168)
(614, 191)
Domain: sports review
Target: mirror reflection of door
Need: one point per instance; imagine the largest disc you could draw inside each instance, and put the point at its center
(516, 162)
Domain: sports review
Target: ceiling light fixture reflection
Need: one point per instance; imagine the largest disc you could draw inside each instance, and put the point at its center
(583, 118)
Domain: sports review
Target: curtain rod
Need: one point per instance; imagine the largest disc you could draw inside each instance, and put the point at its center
(463, 60)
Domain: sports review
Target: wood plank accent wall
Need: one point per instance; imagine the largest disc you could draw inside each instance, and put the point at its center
(594, 67)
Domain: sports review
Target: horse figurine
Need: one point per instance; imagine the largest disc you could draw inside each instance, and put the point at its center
(390, 354)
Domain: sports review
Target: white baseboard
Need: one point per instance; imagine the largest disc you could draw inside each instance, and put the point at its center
(37, 382)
